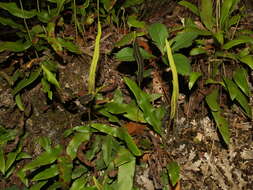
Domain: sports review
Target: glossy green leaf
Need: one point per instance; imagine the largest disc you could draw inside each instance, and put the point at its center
(65, 166)
(240, 78)
(111, 117)
(46, 88)
(222, 125)
(194, 76)
(226, 11)
(51, 77)
(126, 175)
(23, 155)
(17, 46)
(56, 185)
(120, 133)
(94, 149)
(13, 9)
(219, 36)
(158, 33)
(38, 186)
(11, 23)
(22, 175)
(70, 46)
(133, 22)
(27, 81)
(238, 41)
(50, 172)
(144, 103)
(182, 64)
(79, 171)
(198, 51)
(173, 171)
(128, 38)
(190, 6)
(206, 13)
(126, 54)
(75, 142)
(19, 102)
(2, 161)
(232, 88)
(79, 183)
(183, 40)
(10, 159)
(248, 60)
(211, 100)
(44, 158)
(122, 156)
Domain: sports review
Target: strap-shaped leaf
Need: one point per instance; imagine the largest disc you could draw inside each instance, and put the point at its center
(47, 173)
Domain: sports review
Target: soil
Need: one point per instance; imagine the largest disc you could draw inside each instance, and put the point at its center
(205, 162)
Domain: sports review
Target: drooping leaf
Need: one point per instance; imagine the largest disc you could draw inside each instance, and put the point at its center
(70, 46)
(19, 102)
(158, 33)
(128, 38)
(75, 142)
(240, 78)
(133, 22)
(126, 54)
(44, 159)
(17, 46)
(50, 172)
(182, 64)
(13, 9)
(194, 76)
(211, 100)
(173, 171)
(143, 101)
(120, 133)
(27, 81)
(108, 4)
(107, 149)
(238, 41)
(11, 23)
(248, 60)
(183, 40)
(130, 3)
(190, 6)
(126, 175)
(206, 13)
(222, 125)
(122, 156)
(38, 185)
(232, 88)
(198, 51)
(46, 88)
(51, 77)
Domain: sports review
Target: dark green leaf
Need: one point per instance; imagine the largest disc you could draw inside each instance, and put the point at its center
(193, 78)
(206, 13)
(182, 64)
(211, 100)
(143, 101)
(69, 46)
(184, 40)
(238, 41)
(17, 46)
(76, 141)
(222, 125)
(13, 9)
(128, 38)
(190, 6)
(248, 59)
(133, 22)
(107, 149)
(130, 3)
(44, 159)
(240, 78)
(47, 173)
(158, 33)
(232, 88)
(173, 170)
(27, 81)
(123, 156)
(19, 102)
(11, 23)
(126, 54)
(38, 185)
(79, 183)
